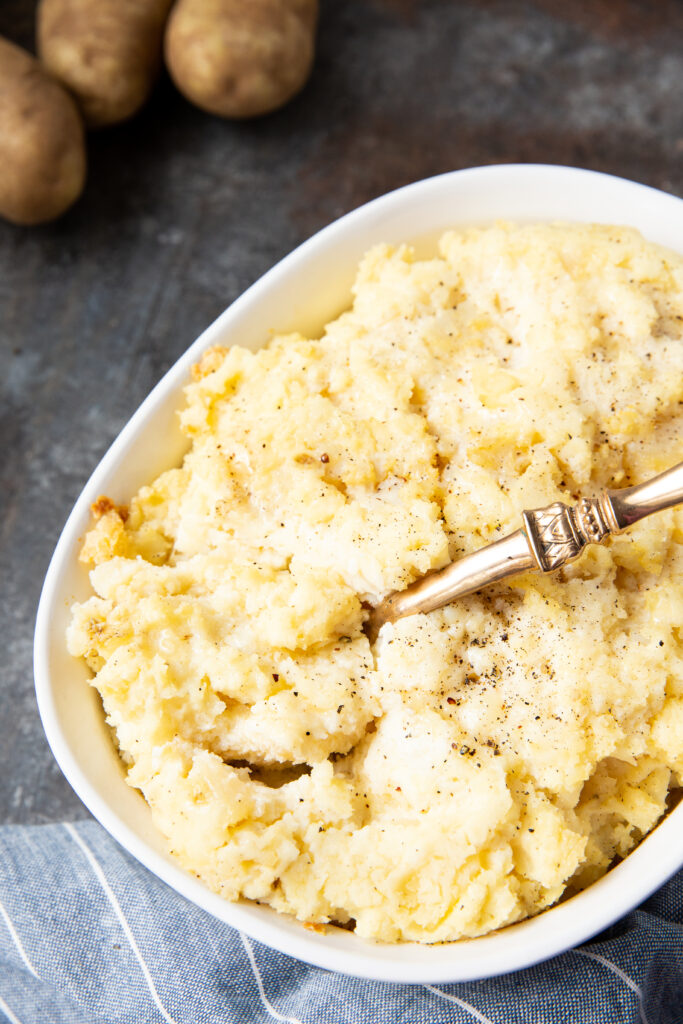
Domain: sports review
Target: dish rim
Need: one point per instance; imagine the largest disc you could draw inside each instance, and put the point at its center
(548, 934)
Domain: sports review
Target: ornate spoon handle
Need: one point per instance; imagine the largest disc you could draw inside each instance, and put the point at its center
(559, 533)
(550, 538)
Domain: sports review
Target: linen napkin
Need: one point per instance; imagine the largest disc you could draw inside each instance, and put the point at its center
(89, 936)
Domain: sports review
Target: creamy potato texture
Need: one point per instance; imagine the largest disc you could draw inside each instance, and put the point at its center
(480, 761)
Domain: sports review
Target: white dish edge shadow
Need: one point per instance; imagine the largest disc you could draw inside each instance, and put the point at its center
(302, 292)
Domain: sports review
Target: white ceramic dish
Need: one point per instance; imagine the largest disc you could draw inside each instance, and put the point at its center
(302, 292)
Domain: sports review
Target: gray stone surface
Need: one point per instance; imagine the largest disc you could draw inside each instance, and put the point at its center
(182, 211)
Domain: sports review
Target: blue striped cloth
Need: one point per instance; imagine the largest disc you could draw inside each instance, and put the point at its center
(88, 936)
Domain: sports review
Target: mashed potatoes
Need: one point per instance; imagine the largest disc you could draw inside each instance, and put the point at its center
(483, 760)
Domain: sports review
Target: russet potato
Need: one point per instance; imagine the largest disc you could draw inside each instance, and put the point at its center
(239, 59)
(106, 52)
(42, 148)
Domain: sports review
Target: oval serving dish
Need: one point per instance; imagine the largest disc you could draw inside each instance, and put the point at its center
(303, 292)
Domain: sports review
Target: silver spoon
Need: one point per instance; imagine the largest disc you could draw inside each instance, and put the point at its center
(549, 538)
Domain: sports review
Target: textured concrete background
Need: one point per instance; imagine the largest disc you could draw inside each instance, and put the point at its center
(182, 211)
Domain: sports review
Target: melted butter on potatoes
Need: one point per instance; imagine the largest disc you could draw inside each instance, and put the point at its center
(485, 759)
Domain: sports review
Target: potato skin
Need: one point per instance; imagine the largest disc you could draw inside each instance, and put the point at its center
(106, 52)
(240, 58)
(42, 144)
